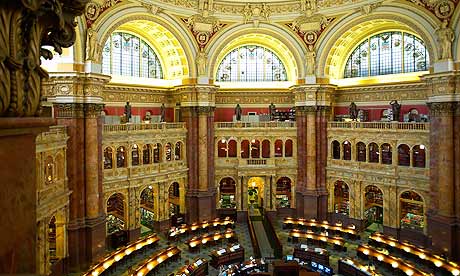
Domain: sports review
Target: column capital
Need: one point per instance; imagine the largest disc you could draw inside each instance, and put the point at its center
(201, 95)
(444, 108)
(78, 110)
(313, 94)
(443, 87)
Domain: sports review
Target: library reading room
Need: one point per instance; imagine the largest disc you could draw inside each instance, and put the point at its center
(230, 137)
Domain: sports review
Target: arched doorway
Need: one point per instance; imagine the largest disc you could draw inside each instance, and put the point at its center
(256, 192)
(147, 208)
(115, 213)
(227, 191)
(341, 198)
(283, 192)
(412, 214)
(373, 207)
(174, 204)
(52, 241)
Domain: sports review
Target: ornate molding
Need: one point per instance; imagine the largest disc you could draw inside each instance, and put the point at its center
(443, 109)
(310, 28)
(203, 28)
(78, 110)
(94, 10)
(375, 93)
(26, 26)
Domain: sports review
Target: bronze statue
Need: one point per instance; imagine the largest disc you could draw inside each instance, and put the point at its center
(272, 111)
(238, 112)
(353, 111)
(128, 111)
(395, 107)
(162, 113)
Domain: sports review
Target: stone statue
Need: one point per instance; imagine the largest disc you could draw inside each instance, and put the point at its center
(201, 59)
(238, 112)
(162, 113)
(353, 111)
(93, 48)
(247, 13)
(395, 108)
(310, 60)
(272, 111)
(445, 37)
(127, 111)
(266, 12)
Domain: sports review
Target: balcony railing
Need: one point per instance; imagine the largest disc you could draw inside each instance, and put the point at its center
(381, 125)
(274, 124)
(142, 127)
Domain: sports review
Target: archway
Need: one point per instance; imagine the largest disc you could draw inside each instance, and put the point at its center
(147, 208)
(283, 192)
(256, 192)
(174, 204)
(341, 198)
(115, 213)
(412, 214)
(227, 192)
(52, 242)
(373, 207)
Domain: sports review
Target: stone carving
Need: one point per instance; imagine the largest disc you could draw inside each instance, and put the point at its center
(201, 59)
(25, 27)
(367, 9)
(445, 36)
(93, 48)
(203, 27)
(310, 61)
(153, 9)
(256, 12)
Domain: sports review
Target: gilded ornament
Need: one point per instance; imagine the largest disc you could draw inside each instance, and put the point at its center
(444, 9)
(92, 10)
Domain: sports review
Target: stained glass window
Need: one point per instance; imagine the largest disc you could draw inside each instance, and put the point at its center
(128, 55)
(251, 63)
(387, 53)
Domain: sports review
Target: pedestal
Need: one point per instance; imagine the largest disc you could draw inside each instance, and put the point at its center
(18, 196)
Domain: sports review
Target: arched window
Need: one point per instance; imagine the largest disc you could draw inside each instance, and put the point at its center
(251, 63)
(255, 148)
(227, 191)
(283, 192)
(222, 148)
(341, 198)
(245, 149)
(52, 241)
(403, 155)
(232, 148)
(361, 152)
(146, 154)
(178, 151)
(418, 156)
(288, 148)
(108, 158)
(335, 150)
(168, 151)
(115, 213)
(278, 148)
(386, 154)
(157, 153)
(373, 153)
(265, 149)
(387, 53)
(49, 167)
(128, 55)
(121, 157)
(147, 207)
(412, 214)
(346, 150)
(135, 155)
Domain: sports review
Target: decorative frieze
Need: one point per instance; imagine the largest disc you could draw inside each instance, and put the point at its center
(78, 110)
(443, 109)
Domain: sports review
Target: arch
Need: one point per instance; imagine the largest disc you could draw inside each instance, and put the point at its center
(135, 155)
(344, 34)
(222, 148)
(108, 158)
(168, 152)
(419, 156)
(49, 170)
(52, 240)
(374, 154)
(255, 148)
(178, 149)
(116, 214)
(282, 42)
(227, 193)
(245, 149)
(146, 154)
(387, 157)
(147, 207)
(265, 148)
(335, 150)
(232, 148)
(121, 157)
(288, 148)
(412, 210)
(278, 148)
(361, 152)
(174, 200)
(169, 37)
(283, 192)
(346, 150)
(157, 153)
(341, 198)
(373, 205)
(403, 155)
(256, 188)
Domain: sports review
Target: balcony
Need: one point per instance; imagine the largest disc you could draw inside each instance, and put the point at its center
(390, 126)
(274, 124)
(123, 128)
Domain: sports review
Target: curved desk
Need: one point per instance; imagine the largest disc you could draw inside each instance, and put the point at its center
(161, 257)
(195, 242)
(176, 232)
(338, 242)
(313, 224)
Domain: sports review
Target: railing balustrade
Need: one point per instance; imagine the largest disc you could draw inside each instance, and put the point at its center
(142, 127)
(274, 124)
(381, 125)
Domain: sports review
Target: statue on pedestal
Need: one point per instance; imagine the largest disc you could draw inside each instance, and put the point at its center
(353, 111)
(238, 112)
(127, 111)
(445, 36)
(395, 108)
(162, 113)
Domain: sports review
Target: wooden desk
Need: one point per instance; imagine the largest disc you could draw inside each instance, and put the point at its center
(305, 253)
(247, 268)
(176, 232)
(423, 255)
(122, 254)
(199, 267)
(365, 251)
(350, 267)
(312, 224)
(204, 239)
(153, 263)
(338, 242)
(228, 255)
